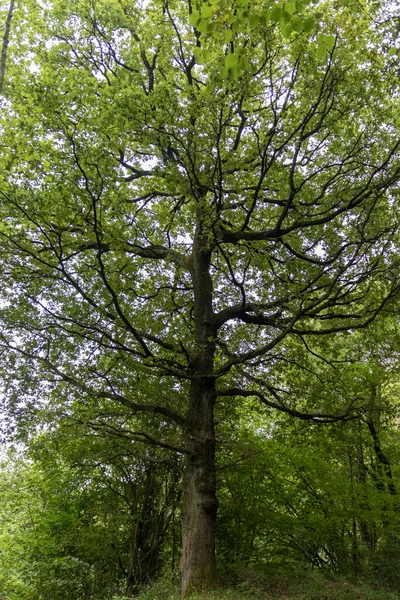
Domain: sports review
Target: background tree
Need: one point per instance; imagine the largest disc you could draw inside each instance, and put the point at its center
(184, 188)
(84, 518)
(294, 493)
(6, 39)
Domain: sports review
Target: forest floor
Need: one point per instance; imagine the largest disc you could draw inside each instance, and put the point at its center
(310, 586)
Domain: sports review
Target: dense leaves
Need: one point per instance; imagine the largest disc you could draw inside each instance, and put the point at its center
(199, 203)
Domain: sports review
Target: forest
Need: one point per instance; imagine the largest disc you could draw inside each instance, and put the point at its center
(200, 289)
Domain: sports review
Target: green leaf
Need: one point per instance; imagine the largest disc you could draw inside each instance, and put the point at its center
(290, 7)
(239, 26)
(285, 17)
(228, 35)
(308, 24)
(330, 41)
(225, 72)
(276, 14)
(194, 19)
(234, 73)
(392, 51)
(321, 50)
(286, 30)
(231, 60)
(207, 11)
(254, 20)
(297, 23)
(245, 64)
(202, 25)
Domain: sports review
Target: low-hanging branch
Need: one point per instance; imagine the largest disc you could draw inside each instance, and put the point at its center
(349, 414)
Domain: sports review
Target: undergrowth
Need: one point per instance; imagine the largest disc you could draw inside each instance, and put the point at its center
(296, 586)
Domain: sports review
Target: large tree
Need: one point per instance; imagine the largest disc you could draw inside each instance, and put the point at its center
(185, 186)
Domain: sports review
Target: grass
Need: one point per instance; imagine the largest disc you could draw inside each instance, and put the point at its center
(306, 585)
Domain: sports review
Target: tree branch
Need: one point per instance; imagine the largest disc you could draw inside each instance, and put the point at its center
(315, 417)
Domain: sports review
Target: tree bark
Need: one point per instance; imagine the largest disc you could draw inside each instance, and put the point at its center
(200, 502)
(199, 508)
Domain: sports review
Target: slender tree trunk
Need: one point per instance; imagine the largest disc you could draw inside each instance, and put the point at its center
(134, 578)
(147, 523)
(383, 463)
(200, 502)
(6, 40)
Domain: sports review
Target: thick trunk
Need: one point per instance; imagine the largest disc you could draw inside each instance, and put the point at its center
(200, 502)
(200, 509)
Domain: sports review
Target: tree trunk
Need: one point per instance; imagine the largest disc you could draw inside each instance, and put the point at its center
(199, 508)
(200, 503)
(384, 475)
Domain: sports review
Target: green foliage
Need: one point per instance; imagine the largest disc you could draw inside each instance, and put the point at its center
(106, 160)
(69, 520)
(44, 561)
(293, 493)
(199, 211)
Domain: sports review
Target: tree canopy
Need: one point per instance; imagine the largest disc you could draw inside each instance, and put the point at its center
(194, 197)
